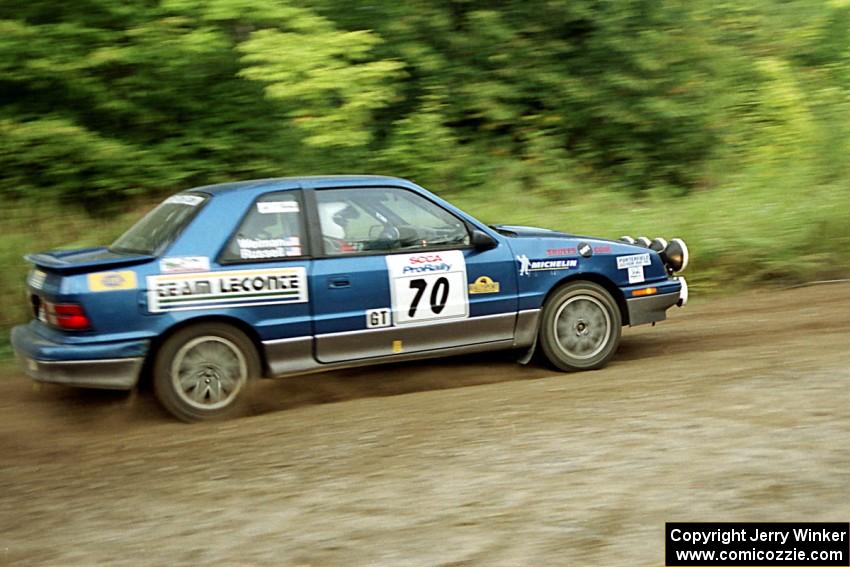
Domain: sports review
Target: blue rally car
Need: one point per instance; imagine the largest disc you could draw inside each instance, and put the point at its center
(221, 284)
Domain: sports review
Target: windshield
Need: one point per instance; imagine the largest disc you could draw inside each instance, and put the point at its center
(160, 227)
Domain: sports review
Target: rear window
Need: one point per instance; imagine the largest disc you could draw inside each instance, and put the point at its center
(161, 226)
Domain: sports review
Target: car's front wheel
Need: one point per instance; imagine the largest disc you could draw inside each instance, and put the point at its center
(581, 327)
(201, 372)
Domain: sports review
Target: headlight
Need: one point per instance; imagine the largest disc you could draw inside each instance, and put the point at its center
(675, 255)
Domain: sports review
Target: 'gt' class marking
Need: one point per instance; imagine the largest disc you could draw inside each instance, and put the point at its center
(227, 288)
(377, 318)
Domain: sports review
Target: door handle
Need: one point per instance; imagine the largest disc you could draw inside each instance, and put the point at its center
(336, 283)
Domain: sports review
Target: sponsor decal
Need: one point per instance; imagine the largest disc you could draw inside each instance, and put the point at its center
(37, 278)
(636, 274)
(262, 248)
(191, 200)
(572, 251)
(569, 251)
(425, 263)
(184, 264)
(269, 207)
(634, 264)
(231, 288)
(112, 281)
(428, 286)
(376, 318)
(632, 261)
(527, 266)
(483, 285)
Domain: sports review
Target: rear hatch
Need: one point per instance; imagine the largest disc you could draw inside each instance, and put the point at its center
(67, 283)
(44, 283)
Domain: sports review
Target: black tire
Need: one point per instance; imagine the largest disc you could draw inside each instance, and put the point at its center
(203, 372)
(581, 327)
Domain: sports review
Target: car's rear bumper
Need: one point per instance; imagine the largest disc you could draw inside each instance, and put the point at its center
(112, 365)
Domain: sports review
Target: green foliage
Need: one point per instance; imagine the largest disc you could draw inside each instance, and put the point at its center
(102, 98)
(325, 77)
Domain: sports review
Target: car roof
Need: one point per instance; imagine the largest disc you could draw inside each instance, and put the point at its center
(317, 181)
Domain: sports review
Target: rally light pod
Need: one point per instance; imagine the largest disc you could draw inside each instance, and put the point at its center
(627, 239)
(643, 241)
(675, 255)
(659, 244)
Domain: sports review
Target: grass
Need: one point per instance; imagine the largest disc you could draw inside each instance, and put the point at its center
(739, 235)
(745, 234)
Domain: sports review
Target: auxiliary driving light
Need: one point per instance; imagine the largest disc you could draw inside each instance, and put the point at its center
(675, 255)
(659, 244)
(627, 239)
(643, 241)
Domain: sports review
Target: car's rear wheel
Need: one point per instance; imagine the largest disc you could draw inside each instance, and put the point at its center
(581, 327)
(202, 372)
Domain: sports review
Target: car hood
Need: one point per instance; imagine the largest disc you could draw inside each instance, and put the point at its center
(85, 259)
(528, 231)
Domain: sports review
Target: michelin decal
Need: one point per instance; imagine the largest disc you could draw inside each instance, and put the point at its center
(236, 288)
(526, 266)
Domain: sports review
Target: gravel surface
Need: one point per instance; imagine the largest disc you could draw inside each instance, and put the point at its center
(736, 409)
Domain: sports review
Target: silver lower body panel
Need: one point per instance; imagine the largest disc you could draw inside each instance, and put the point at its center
(289, 357)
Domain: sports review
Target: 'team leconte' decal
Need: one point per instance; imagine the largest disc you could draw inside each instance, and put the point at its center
(227, 289)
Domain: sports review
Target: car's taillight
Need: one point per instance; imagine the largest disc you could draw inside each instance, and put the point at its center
(67, 316)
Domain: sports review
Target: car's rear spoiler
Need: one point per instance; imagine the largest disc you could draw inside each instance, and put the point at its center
(85, 259)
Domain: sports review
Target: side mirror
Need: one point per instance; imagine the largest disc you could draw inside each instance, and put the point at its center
(480, 240)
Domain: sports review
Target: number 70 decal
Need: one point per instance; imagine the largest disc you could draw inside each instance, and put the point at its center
(428, 286)
(439, 295)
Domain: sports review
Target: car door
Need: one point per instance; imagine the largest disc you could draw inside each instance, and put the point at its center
(263, 269)
(398, 275)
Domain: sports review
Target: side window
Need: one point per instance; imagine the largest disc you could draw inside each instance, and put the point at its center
(272, 229)
(362, 220)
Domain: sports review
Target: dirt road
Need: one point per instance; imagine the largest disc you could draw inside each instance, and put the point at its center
(737, 409)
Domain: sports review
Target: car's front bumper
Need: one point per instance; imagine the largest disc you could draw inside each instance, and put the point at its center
(643, 310)
(111, 365)
(653, 308)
